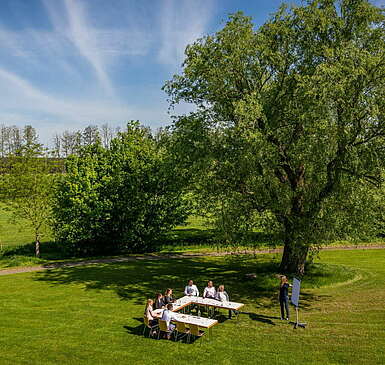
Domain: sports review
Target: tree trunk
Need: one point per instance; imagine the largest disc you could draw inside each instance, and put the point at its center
(37, 248)
(294, 258)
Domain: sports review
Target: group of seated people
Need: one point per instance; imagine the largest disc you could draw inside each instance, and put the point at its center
(165, 302)
(209, 292)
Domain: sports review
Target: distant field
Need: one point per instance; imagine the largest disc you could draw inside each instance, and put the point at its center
(93, 314)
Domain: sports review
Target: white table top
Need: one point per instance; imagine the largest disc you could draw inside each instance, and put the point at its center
(181, 302)
(200, 321)
(189, 319)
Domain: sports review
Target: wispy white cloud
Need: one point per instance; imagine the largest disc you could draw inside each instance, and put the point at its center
(182, 22)
(101, 47)
(31, 99)
(84, 39)
(44, 70)
(37, 48)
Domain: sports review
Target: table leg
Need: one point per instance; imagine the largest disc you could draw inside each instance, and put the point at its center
(210, 333)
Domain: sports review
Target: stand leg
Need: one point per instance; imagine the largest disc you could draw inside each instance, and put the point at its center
(297, 323)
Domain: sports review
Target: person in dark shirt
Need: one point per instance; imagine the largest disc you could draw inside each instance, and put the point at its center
(284, 297)
(168, 298)
(159, 301)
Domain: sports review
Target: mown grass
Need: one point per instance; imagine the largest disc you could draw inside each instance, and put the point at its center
(92, 314)
(196, 236)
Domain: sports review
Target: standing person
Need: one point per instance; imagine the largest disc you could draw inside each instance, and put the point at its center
(284, 297)
(191, 289)
(168, 298)
(159, 302)
(168, 316)
(209, 291)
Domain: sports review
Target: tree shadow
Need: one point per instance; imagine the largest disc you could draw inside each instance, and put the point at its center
(50, 250)
(136, 281)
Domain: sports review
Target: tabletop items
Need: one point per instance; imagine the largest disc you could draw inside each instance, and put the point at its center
(200, 321)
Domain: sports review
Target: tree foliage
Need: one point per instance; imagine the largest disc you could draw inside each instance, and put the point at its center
(290, 121)
(27, 191)
(120, 198)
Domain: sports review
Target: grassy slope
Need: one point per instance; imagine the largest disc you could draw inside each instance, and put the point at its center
(91, 315)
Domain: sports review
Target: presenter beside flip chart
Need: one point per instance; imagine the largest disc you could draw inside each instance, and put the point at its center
(284, 297)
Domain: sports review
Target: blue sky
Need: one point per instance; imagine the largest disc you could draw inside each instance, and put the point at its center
(65, 64)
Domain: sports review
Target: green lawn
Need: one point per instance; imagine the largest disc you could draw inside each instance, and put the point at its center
(16, 232)
(92, 314)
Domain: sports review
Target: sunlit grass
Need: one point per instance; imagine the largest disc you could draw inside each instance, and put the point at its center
(92, 314)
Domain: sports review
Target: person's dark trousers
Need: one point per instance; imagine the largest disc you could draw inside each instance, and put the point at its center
(231, 311)
(284, 303)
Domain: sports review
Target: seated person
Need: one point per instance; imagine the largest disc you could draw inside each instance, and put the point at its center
(168, 298)
(168, 316)
(159, 302)
(222, 296)
(209, 291)
(191, 289)
(149, 313)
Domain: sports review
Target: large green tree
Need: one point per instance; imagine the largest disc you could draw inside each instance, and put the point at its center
(290, 118)
(118, 198)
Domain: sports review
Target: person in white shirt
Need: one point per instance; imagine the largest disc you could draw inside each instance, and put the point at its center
(209, 291)
(168, 315)
(222, 296)
(191, 289)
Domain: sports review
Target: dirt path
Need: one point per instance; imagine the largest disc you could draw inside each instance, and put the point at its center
(58, 265)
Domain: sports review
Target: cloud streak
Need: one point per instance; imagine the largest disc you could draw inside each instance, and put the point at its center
(182, 22)
(88, 63)
(84, 39)
(31, 98)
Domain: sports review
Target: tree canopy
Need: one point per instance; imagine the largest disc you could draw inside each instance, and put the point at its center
(290, 119)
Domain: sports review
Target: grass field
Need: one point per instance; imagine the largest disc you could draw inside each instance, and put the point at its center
(16, 232)
(92, 314)
(196, 236)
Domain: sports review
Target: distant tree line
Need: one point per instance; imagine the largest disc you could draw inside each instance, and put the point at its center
(14, 139)
(70, 142)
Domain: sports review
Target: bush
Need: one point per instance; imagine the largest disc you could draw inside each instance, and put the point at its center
(118, 199)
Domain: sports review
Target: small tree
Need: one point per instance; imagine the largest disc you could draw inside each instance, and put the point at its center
(27, 192)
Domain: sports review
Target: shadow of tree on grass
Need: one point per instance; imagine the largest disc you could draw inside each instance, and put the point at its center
(136, 281)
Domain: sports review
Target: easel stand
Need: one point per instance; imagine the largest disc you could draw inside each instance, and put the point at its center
(297, 323)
